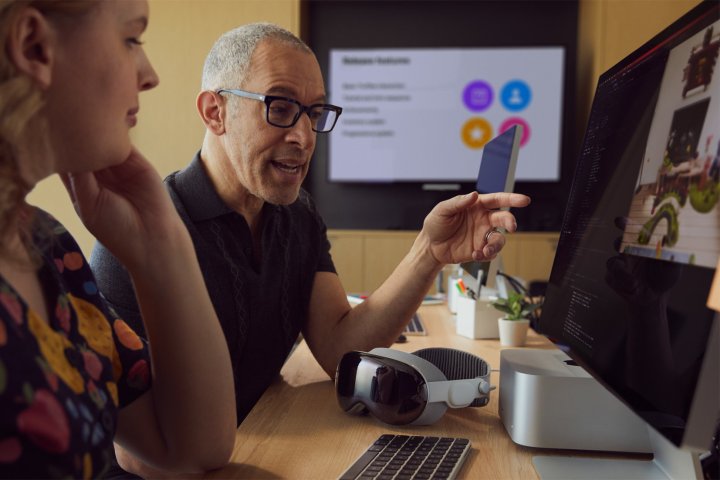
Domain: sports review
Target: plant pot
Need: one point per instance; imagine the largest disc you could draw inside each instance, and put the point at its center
(513, 332)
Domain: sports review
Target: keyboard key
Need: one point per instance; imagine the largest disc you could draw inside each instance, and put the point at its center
(415, 327)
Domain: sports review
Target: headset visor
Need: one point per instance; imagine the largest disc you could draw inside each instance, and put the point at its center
(391, 390)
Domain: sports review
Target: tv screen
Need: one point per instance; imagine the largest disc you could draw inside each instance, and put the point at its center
(424, 114)
(353, 200)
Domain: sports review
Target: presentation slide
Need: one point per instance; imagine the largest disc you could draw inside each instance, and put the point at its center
(424, 115)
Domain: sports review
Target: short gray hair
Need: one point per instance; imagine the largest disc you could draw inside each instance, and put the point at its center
(229, 59)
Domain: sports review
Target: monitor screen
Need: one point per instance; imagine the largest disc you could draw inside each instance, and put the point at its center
(423, 114)
(640, 239)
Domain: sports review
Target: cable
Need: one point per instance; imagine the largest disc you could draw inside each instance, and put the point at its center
(514, 282)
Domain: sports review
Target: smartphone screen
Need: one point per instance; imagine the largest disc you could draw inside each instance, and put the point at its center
(497, 166)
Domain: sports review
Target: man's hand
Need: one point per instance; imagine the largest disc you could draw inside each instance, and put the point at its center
(467, 227)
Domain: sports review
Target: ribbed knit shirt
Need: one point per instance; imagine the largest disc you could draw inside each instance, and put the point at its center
(262, 304)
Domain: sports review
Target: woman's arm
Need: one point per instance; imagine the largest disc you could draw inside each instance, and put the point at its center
(187, 421)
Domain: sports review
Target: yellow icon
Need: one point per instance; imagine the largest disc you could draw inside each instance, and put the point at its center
(476, 132)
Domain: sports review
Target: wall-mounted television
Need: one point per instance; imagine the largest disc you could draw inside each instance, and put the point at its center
(425, 114)
(453, 46)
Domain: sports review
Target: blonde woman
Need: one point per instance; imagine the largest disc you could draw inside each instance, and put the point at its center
(73, 376)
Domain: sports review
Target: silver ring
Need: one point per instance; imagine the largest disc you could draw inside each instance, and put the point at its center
(490, 232)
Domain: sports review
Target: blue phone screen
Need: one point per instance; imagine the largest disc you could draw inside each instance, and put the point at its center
(495, 163)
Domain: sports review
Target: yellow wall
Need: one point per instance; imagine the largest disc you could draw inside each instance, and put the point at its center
(608, 30)
(169, 131)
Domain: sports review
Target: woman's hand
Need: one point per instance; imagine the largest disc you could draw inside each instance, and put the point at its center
(124, 206)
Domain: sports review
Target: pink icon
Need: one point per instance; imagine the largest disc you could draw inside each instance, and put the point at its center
(517, 121)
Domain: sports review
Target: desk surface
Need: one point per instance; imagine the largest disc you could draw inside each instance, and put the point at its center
(297, 430)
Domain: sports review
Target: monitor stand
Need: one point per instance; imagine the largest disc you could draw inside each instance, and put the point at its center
(547, 402)
(668, 462)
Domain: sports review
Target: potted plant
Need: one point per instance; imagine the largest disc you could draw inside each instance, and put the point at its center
(514, 324)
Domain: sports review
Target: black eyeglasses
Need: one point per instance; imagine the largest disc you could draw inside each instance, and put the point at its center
(284, 112)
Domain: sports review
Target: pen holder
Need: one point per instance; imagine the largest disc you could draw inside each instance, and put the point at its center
(476, 318)
(452, 294)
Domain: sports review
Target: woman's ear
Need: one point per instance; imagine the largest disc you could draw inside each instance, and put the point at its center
(30, 46)
(212, 111)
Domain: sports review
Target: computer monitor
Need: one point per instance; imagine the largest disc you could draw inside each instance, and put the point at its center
(640, 240)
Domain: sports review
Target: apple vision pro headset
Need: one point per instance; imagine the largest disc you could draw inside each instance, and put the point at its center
(401, 388)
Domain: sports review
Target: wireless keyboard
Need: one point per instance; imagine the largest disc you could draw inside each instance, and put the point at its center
(410, 457)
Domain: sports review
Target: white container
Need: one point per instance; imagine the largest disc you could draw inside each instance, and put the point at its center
(452, 293)
(513, 332)
(476, 318)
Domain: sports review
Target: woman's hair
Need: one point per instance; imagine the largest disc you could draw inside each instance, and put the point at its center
(20, 100)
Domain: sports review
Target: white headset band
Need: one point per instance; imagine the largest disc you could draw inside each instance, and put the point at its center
(458, 393)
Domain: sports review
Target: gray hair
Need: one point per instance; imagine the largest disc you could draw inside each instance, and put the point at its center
(228, 62)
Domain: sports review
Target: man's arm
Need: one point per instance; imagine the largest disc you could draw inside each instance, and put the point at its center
(456, 230)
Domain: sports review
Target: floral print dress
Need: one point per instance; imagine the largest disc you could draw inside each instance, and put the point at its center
(62, 381)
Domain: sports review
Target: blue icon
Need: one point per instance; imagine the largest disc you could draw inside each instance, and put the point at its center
(516, 95)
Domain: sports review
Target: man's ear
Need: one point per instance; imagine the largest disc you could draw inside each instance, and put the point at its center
(30, 46)
(212, 111)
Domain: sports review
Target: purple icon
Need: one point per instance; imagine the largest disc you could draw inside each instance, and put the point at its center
(478, 96)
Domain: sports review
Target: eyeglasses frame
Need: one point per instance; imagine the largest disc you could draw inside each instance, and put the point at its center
(268, 99)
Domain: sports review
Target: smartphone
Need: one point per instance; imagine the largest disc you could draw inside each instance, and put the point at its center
(496, 174)
(497, 165)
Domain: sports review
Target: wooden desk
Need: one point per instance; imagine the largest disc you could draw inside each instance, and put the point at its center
(297, 430)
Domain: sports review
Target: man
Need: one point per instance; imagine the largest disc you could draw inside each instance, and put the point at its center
(260, 242)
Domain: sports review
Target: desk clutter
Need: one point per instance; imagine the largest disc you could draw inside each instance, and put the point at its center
(409, 457)
(479, 307)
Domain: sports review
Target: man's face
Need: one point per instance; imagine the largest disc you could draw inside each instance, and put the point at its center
(271, 162)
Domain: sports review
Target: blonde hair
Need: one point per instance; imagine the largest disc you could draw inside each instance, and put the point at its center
(20, 100)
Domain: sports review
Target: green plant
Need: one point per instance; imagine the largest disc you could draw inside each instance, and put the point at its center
(517, 306)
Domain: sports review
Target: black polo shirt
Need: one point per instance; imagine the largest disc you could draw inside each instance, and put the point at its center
(263, 305)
